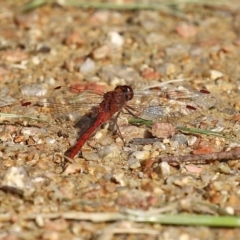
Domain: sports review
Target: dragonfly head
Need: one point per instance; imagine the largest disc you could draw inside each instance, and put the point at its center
(126, 90)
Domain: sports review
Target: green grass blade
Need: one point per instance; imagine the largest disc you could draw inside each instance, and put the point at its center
(184, 219)
(163, 5)
(203, 131)
(35, 4)
(149, 123)
(140, 121)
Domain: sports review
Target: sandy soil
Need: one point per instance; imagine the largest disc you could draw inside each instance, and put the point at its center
(44, 196)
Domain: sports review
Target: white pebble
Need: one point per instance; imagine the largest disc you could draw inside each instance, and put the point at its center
(87, 66)
(165, 168)
(230, 210)
(36, 60)
(34, 89)
(32, 131)
(109, 151)
(184, 236)
(133, 163)
(39, 221)
(116, 39)
(17, 177)
(214, 74)
(141, 155)
(192, 140)
(50, 140)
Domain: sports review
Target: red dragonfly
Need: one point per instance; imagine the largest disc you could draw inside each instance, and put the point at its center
(70, 103)
(113, 102)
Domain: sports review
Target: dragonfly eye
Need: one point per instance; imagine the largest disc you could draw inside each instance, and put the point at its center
(129, 94)
(126, 90)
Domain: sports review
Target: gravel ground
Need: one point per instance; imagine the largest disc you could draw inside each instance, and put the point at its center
(45, 196)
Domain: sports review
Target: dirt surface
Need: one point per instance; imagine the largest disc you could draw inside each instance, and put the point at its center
(97, 50)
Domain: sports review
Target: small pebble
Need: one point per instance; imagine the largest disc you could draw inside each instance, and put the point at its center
(101, 52)
(164, 168)
(177, 50)
(141, 155)
(88, 66)
(109, 151)
(17, 177)
(14, 56)
(74, 38)
(90, 156)
(119, 178)
(179, 139)
(36, 60)
(34, 89)
(116, 39)
(133, 163)
(184, 236)
(192, 140)
(73, 168)
(167, 68)
(230, 210)
(194, 169)
(155, 38)
(186, 30)
(214, 74)
(39, 220)
(111, 72)
(163, 130)
(100, 17)
(224, 168)
(32, 131)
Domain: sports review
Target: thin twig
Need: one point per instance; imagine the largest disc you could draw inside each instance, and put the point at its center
(162, 84)
(220, 156)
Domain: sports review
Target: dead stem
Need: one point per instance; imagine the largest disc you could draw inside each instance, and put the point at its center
(220, 156)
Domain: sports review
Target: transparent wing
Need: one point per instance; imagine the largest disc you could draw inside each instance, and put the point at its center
(5, 99)
(63, 103)
(71, 103)
(171, 103)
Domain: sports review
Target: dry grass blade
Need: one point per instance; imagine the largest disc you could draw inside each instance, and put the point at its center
(94, 217)
(139, 216)
(10, 115)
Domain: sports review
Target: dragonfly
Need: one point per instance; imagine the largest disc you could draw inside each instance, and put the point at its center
(70, 104)
(113, 102)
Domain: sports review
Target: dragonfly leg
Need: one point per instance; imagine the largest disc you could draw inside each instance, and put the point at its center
(114, 123)
(130, 110)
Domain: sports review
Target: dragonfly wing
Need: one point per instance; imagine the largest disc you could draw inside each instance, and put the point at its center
(72, 104)
(172, 103)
